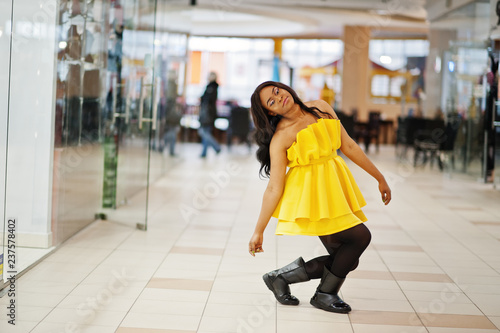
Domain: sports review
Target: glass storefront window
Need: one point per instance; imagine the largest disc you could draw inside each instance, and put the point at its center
(464, 96)
(89, 90)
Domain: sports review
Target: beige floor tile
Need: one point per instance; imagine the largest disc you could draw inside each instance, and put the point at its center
(375, 275)
(105, 291)
(183, 284)
(495, 320)
(289, 326)
(490, 289)
(403, 248)
(161, 321)
(28, 313)
(185, 274)
(252, 322)
(237, 286)
(168, 307)
(96, 329)
(369, 283)
(103, 302)
(37, 299)
(307, 312)
(428, 286)
(378, 304)
(373, 294)
(437, 296)
(385, 318)
(424, 277)
(221, 297)
(19, 327)
(460, 330)
(85, 316)
(134, 258)
(28, 284)
(173, 294)
(362, 328)
(488, 304)
(149, 330)
(265, 308)
(456, 321)
(443, 307)
(196, 250)
(415, 269)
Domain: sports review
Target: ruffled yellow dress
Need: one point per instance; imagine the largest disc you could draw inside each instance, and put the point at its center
(320, 196)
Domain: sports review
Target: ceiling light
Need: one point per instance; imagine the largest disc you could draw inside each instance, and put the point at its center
(386, 60)
(62, 45)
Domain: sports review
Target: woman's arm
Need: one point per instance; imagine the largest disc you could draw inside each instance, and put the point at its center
(354, 152)
(272, 194)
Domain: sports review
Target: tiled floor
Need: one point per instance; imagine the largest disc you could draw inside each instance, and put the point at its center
(433, 265)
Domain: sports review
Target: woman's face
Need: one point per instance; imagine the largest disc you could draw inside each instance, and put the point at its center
(275, 100)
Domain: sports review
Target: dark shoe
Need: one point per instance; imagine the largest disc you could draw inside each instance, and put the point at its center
(278, 280)
(326, 296)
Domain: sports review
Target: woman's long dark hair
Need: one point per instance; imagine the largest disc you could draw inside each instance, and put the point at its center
(265, 125)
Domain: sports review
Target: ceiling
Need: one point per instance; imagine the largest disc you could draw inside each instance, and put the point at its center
(317, 18)
(292, 18)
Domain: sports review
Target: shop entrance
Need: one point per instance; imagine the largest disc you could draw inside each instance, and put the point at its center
(82, 105)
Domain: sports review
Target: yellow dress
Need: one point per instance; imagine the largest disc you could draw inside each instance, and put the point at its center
(320, 196)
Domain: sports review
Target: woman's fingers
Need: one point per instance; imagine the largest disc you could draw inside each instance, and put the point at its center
(386, 197)
(251, 249)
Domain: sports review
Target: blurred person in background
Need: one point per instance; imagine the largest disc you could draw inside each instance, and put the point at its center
(208, 114)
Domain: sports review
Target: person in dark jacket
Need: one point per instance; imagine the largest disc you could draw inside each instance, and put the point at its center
(208, 113)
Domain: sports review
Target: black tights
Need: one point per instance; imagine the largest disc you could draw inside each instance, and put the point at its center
(344, 249)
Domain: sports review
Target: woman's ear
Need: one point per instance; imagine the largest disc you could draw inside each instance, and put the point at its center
(272, 114)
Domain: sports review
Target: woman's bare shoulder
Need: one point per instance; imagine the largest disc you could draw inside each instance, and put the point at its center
(323, 106)
(278, 142)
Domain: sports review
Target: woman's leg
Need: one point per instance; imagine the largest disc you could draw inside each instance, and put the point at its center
(343, 258)
(351, 240)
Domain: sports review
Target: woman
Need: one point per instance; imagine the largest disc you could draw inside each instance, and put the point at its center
(317, 196)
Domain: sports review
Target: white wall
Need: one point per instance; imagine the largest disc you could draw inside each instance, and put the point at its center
(31, 119)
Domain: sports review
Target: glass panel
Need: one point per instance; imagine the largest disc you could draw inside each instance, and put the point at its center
(130, 116)
(78, 153)
(5, 53)
(465, 92)
(170, 54)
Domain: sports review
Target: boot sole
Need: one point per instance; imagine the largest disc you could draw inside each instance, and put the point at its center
(269, 285)
(326, 308)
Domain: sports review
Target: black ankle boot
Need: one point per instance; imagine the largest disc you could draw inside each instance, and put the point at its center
(326, 296)
(278, 280)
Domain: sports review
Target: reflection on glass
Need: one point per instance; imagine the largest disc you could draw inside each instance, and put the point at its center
(466, 104)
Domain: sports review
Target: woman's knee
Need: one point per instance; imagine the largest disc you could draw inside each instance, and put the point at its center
(364, 236)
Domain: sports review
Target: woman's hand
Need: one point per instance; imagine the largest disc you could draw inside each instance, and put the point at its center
(255, 244)
(385, 190)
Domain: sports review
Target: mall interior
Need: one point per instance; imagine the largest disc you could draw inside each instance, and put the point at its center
(109, 227)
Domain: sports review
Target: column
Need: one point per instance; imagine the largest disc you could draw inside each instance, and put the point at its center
(435, 65)
(278, 47)
(356, 70)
